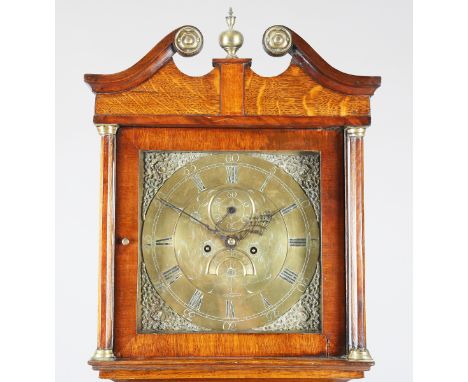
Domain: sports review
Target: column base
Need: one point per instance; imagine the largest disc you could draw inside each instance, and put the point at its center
(359, 355)
(103, 355)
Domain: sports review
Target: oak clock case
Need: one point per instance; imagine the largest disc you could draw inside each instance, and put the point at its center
(232, 216)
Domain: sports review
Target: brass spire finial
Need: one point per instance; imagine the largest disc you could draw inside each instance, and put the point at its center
(230, 18)
(231, 40)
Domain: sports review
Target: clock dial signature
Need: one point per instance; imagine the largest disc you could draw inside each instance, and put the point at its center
(230, 241)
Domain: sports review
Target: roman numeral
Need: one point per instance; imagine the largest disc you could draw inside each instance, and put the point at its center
(198, 182)
(230, 309)
(265, 301)
(231, 174)
(165, 241)
(267, 179)
(297, 242)
(264, 184)
(172, 274)
(196, 300)
(288, 275)
(288, 209)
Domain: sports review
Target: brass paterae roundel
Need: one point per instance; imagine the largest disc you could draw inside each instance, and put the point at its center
(230, 242)
(188, 41)
(277, 40)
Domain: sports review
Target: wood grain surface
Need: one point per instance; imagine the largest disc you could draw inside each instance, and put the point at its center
(294, 92)
(232, 88)
(237, 121)
(232, 368)
(143, 70)
(355, 243)
(232, 84)
(328, 76)
(332, 341)
(105, 335)
(169, 91)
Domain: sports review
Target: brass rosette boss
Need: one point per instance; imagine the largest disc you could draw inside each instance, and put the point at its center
(188, 41)
(277, 40)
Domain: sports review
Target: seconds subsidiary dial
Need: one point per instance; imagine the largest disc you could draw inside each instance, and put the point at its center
(230, 242)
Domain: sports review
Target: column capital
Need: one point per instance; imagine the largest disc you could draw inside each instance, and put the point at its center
(107, 129)
(356, 131)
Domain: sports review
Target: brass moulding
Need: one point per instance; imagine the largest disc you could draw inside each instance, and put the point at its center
(107, 129)
(103, 355)
(362, 355)
(357, 132)
(231, 40)
(188, 41)
(277, 40)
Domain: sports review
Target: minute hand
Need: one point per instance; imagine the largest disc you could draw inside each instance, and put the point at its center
(190, 216)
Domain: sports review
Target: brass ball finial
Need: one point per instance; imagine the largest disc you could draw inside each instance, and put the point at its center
(231, 40)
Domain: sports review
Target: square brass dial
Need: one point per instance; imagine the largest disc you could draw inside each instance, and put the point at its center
(229, 242)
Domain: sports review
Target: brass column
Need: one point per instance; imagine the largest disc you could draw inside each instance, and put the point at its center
(354, 178)
(105, 335)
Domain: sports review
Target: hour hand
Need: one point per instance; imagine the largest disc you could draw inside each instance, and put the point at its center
(229, 211)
